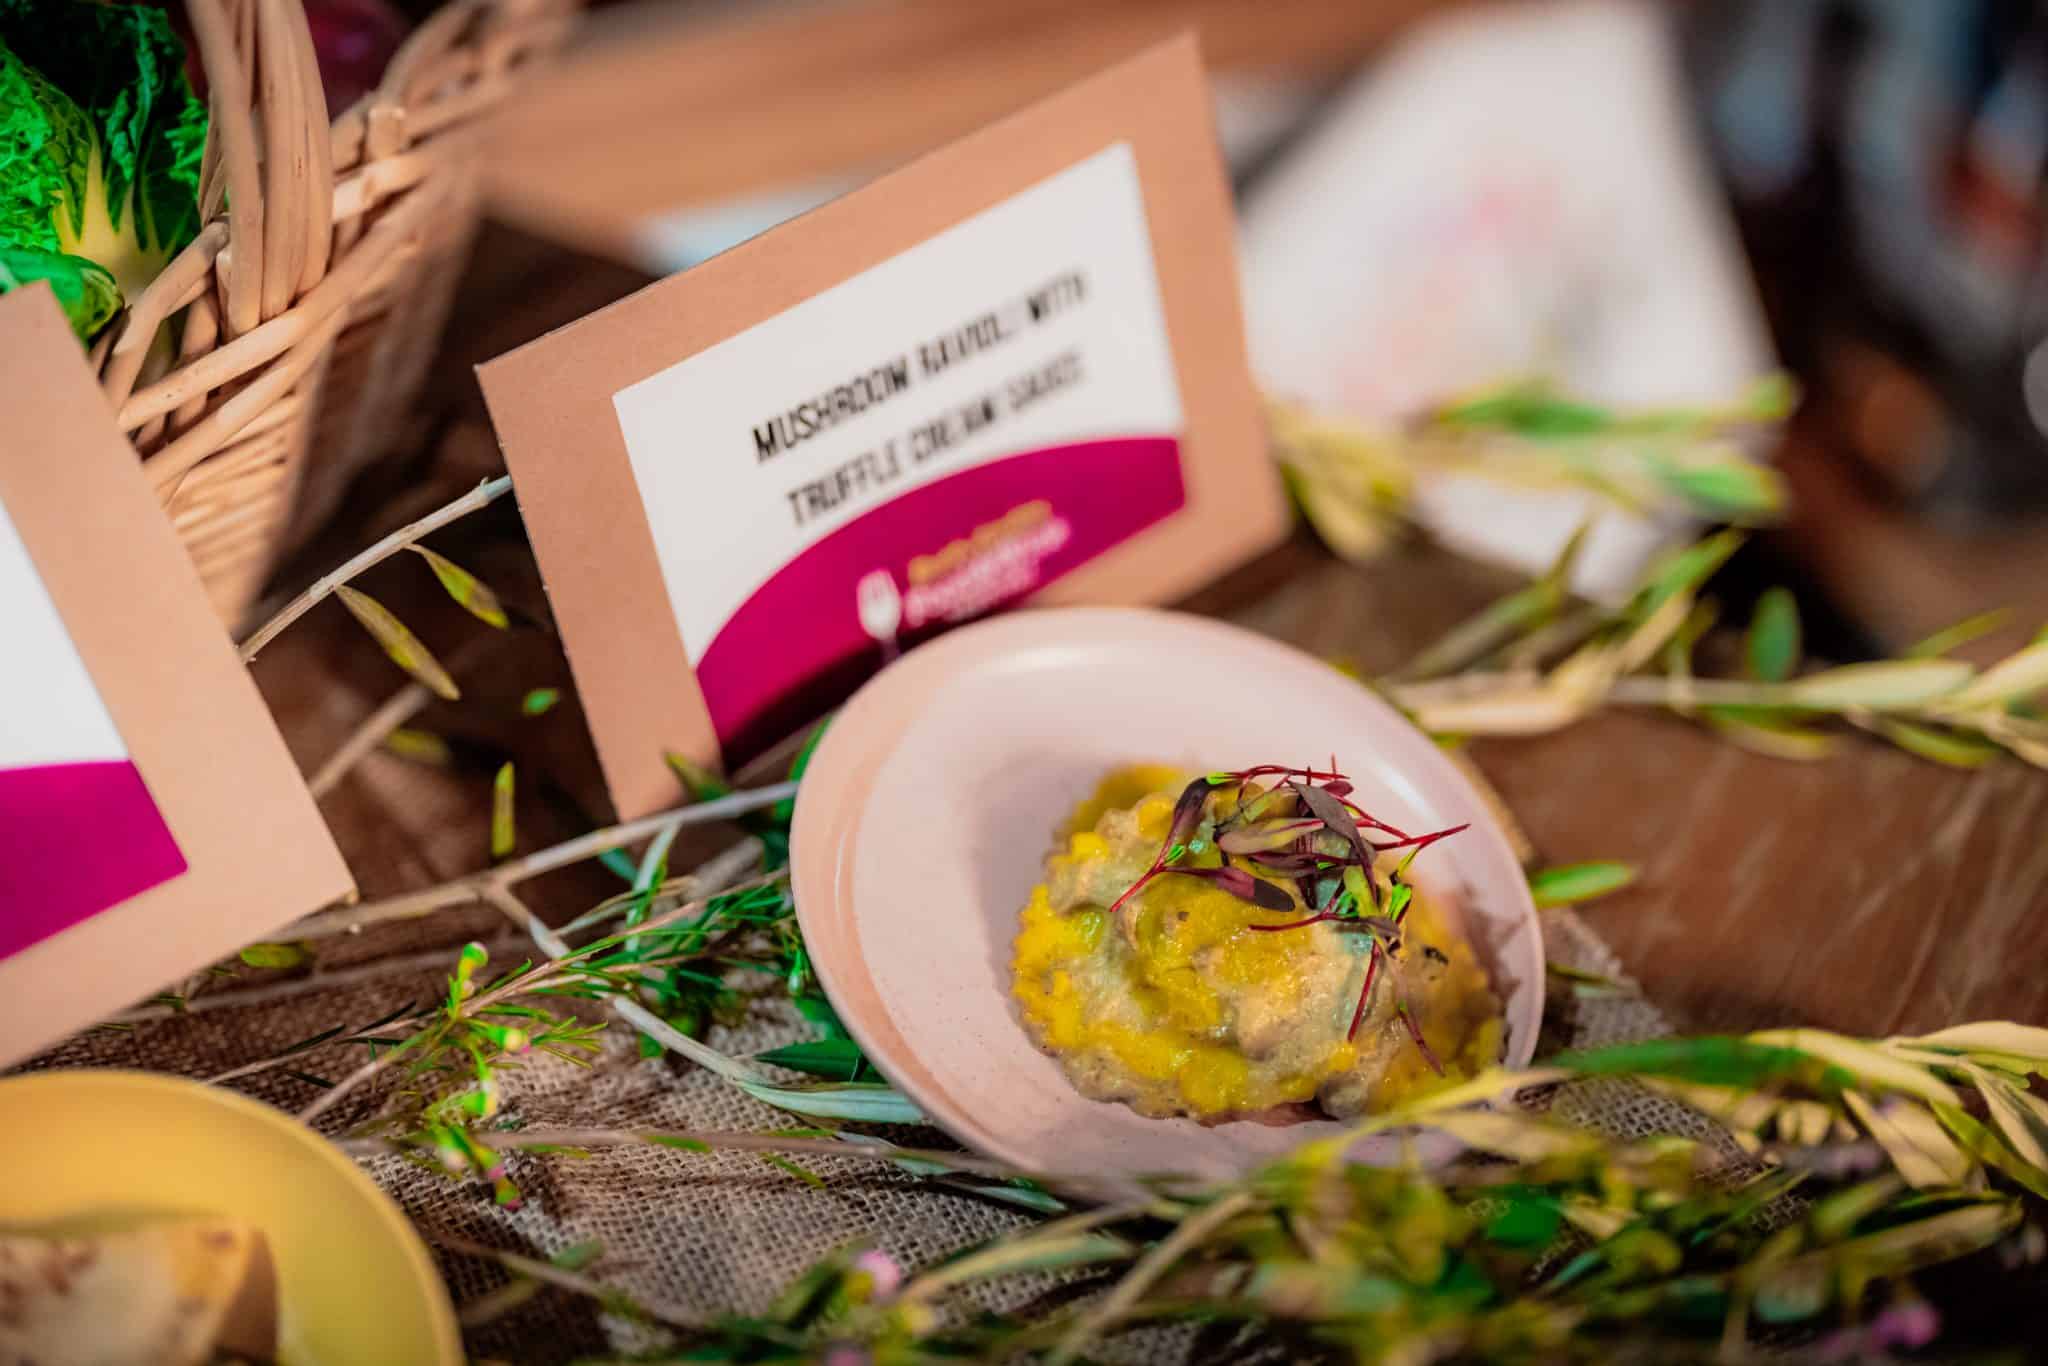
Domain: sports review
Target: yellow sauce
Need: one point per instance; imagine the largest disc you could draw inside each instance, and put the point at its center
(1178, 1007)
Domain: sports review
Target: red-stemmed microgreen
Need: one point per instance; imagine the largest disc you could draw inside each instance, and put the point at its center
(1415, 1033)
(1266, 837)
(1372, 967)
(1304, 826)
(1423, 841)
(1187, 818)
(1267, 896)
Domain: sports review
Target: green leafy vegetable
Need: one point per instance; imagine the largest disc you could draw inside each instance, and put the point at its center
(100, 145)
(86, 293)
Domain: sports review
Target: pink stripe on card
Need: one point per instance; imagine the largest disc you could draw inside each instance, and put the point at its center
(75, 839)
(828, 618)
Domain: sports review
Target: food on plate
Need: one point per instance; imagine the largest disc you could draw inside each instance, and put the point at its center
(117, 1291)
(1247, 945)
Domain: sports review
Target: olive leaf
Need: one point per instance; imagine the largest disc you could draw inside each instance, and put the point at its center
(837, 1059)
(1760, 733)
(1726, 484)
(1982, 1144)
(1865, 1062)
(1708, 1060)
(2021, 1118)
(1773, 641)
(1589, 985)
(1912, 1137)
(1882, 684)
(701, 783)
(1503, 619)
(474, 595)
(420, 746)
(2012, 679)
(1056, 1253)
(1991, 1036)
(504, 834)
(1956, 748)
(399, 642)
(1962, 633)
(1682, 571)
(1570, 883)
(275, 955)
(864, 1102)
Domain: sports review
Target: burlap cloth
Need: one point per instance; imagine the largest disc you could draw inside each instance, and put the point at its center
(703, 1234)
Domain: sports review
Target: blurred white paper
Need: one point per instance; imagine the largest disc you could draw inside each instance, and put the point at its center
(1511, 192)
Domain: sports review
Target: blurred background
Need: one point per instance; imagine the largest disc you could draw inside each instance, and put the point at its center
(1646, 203)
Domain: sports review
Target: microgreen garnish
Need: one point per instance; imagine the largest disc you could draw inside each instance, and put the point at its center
(1415, 1033)
(1302, 828)
(1187, 815)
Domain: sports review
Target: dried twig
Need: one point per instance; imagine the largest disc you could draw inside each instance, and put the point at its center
(408, 702)
(269, 993)
(534, 980)
(475, 887)
(576, 1139)
(547, 1272)
(715, 876)
(481, 496)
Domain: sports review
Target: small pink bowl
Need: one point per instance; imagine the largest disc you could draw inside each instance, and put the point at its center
(924, 818)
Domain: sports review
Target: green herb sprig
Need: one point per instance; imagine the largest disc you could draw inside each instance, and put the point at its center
(1533, 677)
(1862, 1164)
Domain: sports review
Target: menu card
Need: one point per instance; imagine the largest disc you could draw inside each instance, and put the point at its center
(1010, 372)
(151, 820)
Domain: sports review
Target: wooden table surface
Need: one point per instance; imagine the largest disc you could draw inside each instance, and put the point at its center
(1869, 893)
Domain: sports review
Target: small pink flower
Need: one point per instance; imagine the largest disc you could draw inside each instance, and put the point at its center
(882, 1272)
(1909, 1324)
(846, 1354)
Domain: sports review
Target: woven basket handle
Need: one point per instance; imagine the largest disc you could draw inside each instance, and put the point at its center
(267, 162)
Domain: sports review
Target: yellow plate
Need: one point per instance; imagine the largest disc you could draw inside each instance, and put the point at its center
(355, 1284)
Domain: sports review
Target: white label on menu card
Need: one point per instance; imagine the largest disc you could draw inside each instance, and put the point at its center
(934, 437)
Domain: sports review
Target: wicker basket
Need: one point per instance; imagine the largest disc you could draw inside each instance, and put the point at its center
(315, 292)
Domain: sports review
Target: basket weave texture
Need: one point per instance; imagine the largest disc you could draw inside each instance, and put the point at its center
(314, 294)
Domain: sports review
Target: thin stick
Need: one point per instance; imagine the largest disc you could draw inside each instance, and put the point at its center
(627, 1009)
(551, 1274)
(481, 496)
(263, 1065)
(729, 1140)
(948, 1273)
(470, 889)
(329, 1098)
(528, 981)
(408, 702)
(272, 992)
(1638, 690)
(652, 862)
(1149, 1269)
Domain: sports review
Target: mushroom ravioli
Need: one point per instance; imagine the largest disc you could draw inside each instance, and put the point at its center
(1245, 945)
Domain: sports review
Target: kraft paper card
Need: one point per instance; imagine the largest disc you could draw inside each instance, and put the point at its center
(151, 820)
(1011, 372)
